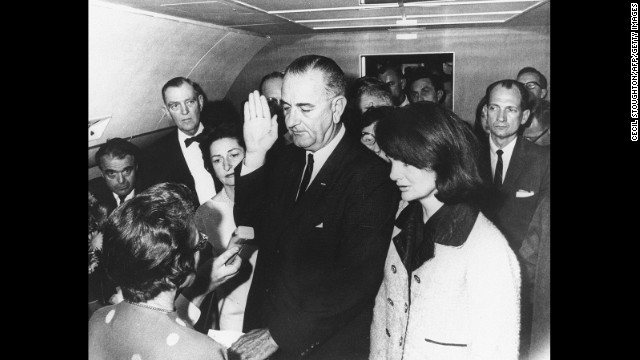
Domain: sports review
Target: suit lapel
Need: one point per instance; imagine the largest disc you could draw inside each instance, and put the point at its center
(516, 164)
(325, 178)
(295, 177)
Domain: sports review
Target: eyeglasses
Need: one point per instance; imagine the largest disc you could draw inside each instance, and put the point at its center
(367, 138)
(532, 85)
(202, 243)
(273, 100)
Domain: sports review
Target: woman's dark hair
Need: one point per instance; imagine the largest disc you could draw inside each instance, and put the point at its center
(147, 242)
(478, 129)
(230, 129)
(430, 136)
(375, 114)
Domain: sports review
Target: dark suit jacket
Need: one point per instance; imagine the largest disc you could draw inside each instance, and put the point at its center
(536, 258)
(321, 259)
(528, 171)
(164, 162)
(98, 187)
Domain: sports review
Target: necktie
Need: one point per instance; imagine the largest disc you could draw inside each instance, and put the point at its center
(306, 176)
(497, 177)
(121, 199)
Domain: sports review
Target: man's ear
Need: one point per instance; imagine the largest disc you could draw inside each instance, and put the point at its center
(525, 116)
(403, 83)
(543, 92)
(439, 95)
(338, 105)
(166, 110)
(200, 101)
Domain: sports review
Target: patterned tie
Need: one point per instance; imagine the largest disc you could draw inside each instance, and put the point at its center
(497, 178)
(122, 199)
(307, 176)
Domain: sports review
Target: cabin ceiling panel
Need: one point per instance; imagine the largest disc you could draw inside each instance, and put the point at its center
(385, 23)
(279, 17)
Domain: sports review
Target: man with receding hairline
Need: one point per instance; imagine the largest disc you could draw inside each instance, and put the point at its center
(118, 162)
(174, 158)
(323, 213)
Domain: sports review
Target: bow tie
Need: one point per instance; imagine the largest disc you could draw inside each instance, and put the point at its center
(190, 140)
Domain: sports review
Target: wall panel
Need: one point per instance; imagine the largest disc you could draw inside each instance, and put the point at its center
(133, 53)
(482, 55)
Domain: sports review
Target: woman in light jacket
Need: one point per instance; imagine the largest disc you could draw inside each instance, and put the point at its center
(451, 283)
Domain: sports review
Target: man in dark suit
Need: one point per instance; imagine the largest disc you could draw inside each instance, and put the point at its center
(524, 177)
(174, 157)
(519, 171)
(323, 213)
(118, 163)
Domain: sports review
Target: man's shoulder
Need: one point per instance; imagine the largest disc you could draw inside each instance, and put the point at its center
(534, 150)
(98, 186)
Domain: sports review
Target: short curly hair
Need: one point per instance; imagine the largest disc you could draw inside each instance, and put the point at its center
(147, 245)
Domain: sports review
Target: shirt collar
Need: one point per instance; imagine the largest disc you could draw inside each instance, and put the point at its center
(321, 155)
(506, 149)
(182, 136)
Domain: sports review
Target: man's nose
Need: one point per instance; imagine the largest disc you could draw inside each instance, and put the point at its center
(291, 120)
(184, 110)
(503, 115)
(120, 178)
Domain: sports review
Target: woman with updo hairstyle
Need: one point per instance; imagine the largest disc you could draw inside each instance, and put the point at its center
(451, 283)
(151, 249)
(223, 149)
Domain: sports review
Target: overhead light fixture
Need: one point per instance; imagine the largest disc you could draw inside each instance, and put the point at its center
(410, 36)
(413, 18)
(410, 4)
(393, 25)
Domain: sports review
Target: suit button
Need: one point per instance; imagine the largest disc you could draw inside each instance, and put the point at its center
(416, 278)
(390, 301)
(393, 269)
(388, 333)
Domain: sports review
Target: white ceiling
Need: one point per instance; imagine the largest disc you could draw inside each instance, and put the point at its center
(281, 17)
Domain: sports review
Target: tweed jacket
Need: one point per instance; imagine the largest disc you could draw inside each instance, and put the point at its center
(461, 304)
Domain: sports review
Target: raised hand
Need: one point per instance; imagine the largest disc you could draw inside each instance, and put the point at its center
(260, 128)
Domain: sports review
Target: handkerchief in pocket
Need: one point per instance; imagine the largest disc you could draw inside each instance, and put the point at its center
(523, 193)
(319, 226)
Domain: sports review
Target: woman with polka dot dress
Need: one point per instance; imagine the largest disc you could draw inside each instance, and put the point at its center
(151, 249)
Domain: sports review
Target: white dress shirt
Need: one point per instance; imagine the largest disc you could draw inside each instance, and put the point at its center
(319, 157)
(205, 187)
(507, 151)
(128, 197)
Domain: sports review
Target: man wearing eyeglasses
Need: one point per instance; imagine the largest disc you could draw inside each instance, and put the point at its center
(176, 157)
(534, 81)
(271, 88)
(118, 163)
